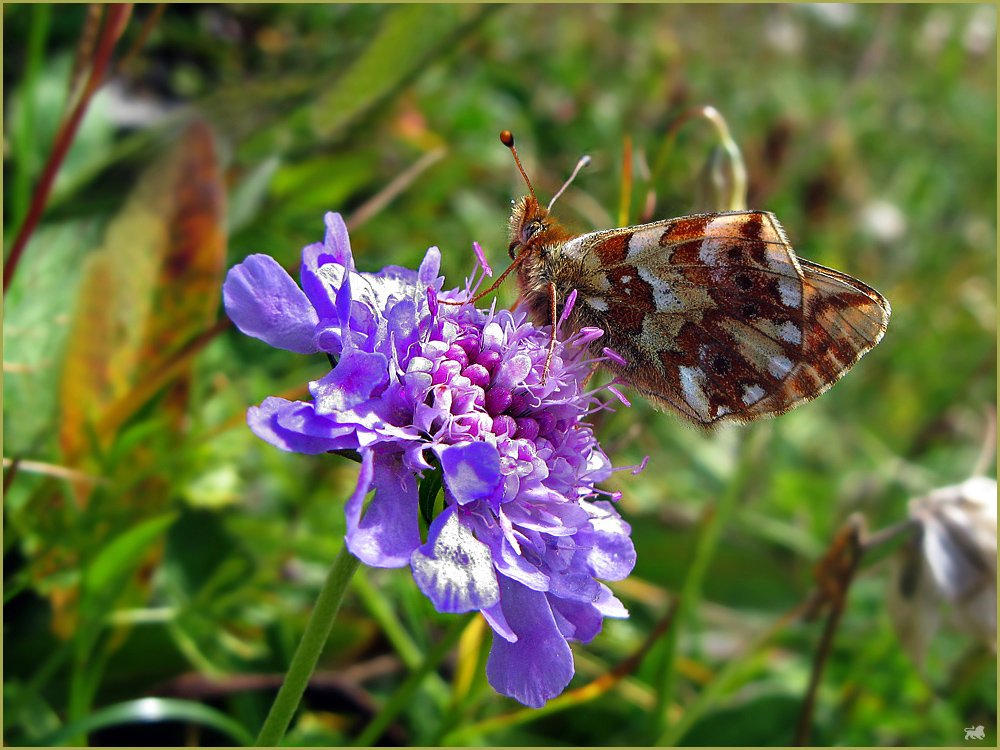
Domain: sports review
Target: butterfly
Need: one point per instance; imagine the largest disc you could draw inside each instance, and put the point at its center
(711, 316)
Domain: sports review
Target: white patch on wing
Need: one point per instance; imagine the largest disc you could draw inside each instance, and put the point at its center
(663, 296)
(752, 394)
(597, 303)
(626, 279)
(576, 247)
(692, 379)
(642, 240)
(779, 366)
(790, 332)
(711, 251)
(791, 292)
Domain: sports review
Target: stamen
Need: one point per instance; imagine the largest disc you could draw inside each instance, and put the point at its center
(620, 396)
(614, 356)
(635, 468)
(568, 307)
(587, 334)
(481, 257)
(615, 496)
(496, 284)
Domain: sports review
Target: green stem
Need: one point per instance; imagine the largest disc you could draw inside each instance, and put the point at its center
(310, 647)
(404, 695)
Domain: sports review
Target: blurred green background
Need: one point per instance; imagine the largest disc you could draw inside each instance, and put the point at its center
(182, 557)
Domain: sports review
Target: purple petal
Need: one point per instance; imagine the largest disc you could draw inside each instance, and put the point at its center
(539, 665)
(575, 583)
(351, 382)
(471, 470)
(580, 621)
(389, 532)
(264, 302)
(454, 569)
(324, 263)
(294, 426)
(495, 619)
(336, 243)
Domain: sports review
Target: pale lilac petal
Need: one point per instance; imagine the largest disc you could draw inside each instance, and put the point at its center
(357, 375)
(403, 328)
(390, 531)
(612, 554)
(539, 665)
(471, 470)
(609, 605)
(512, 371)
(454, 569)
(427, 274)
(495, 619)
(264, 302)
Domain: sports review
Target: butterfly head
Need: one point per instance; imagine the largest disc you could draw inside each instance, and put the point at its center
(530, 223)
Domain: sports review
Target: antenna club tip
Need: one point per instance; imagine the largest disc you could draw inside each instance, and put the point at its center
(507, 138)
(585, 161)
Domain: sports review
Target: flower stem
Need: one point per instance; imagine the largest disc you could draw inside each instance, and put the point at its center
(309, 649)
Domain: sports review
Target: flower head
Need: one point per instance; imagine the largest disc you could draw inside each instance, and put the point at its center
(950, 566)
(421, 388)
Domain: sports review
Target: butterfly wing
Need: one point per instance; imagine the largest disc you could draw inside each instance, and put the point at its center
(717, 319)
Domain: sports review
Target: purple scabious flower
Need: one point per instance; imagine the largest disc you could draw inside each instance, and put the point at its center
(421, 388)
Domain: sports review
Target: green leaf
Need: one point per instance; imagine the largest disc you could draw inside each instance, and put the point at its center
(409, 38)
(147, 711)
(248, 197)
(428, 491)
(120, 557)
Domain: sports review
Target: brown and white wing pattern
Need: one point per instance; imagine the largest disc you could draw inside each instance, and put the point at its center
(717, 318)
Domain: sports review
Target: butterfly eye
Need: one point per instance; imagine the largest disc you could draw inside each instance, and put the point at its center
(532, 229)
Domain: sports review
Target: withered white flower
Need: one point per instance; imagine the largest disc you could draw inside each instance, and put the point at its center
(949, 569)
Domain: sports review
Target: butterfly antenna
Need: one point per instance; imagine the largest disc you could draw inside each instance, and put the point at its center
(507, 139)
(584, 162)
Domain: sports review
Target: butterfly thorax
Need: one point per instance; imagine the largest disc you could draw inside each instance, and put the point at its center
(538, 244)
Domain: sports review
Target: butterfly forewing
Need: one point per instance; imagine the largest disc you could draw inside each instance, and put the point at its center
(716, 317)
